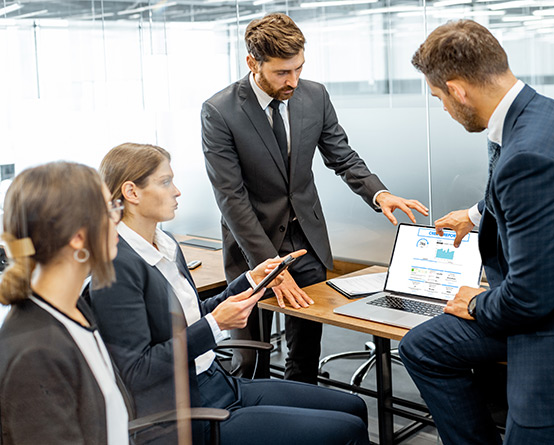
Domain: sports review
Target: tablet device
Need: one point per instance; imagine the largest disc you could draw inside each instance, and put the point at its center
(273, 274)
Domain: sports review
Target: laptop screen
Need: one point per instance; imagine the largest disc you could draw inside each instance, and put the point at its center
(428, 265)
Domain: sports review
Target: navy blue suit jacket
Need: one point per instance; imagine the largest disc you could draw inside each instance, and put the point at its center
(135, 320)
(517, 246)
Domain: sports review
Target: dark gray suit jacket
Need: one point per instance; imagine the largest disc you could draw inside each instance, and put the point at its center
(251, 185)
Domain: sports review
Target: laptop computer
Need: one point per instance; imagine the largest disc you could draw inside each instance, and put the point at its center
(425, 271)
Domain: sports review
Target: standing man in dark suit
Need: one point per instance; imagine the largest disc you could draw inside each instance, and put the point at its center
(259, 137)
(467, 69)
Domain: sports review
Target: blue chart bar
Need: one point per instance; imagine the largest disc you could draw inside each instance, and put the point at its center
(445, 254)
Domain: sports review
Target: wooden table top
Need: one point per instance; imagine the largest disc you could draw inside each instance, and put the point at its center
(210, 275)
(326, 299)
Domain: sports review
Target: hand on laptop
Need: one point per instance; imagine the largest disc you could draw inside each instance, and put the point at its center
(458, 306)
(458, 221)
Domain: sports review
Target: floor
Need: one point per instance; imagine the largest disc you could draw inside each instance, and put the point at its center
(339, 340)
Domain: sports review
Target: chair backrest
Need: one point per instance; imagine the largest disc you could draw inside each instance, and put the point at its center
(213, 415)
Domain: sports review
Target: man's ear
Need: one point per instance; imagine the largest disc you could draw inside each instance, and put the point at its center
(252, 64)
(457, 89)
(130, 192)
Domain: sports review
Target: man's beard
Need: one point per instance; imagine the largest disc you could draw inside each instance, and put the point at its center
(276, 94)
(467, 116)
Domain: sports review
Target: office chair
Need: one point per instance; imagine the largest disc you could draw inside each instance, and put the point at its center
(142, 424)
(368, 353)
(363, 370)
(213, 415)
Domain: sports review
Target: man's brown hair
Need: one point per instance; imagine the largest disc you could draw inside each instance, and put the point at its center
(275, 35)
(461, 49)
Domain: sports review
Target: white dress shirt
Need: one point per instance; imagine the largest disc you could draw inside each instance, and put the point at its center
(495, 127)
(265, 99)
(165, 260)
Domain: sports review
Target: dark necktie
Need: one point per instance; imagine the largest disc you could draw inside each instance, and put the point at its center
(279, 131)
(494, 153)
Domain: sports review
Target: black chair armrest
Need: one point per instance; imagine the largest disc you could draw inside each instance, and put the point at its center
(262, 349)
(219, 415)
(209, 414)
(244, 344)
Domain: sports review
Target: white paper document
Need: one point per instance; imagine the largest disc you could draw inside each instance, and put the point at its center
(362, 284)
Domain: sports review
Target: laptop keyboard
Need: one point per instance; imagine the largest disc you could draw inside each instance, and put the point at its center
(402, 304)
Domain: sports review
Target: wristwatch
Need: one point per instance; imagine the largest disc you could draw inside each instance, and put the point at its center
(472, 305)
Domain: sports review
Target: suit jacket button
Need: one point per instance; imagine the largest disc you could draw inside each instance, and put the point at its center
(281, 228)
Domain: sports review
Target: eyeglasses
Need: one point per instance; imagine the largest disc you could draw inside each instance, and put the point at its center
(115, 210)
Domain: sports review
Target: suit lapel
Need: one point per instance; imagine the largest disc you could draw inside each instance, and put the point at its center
(296, 115)
(518, 105)
(182, 267)
(251, 107)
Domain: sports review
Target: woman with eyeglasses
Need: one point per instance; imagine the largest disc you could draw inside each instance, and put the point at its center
(154, 290)
(57, 384)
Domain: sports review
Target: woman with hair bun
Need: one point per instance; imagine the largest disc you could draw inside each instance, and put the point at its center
(57, 384)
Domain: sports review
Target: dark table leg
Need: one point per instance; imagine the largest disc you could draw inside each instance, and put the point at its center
(384, 390)
(264, 357)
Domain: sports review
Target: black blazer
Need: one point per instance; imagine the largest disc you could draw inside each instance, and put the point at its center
(134, 318)
(48, 394)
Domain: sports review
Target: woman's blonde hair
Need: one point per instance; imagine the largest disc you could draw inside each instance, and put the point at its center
(130, 162)
(49, 204)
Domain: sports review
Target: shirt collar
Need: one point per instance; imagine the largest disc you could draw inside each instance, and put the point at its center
(496, 121)
(167, 248)
(263, 98)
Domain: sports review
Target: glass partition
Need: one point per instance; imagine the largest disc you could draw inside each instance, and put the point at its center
(80, 77)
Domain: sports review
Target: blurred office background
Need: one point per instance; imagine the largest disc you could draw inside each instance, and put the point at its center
(78, 77)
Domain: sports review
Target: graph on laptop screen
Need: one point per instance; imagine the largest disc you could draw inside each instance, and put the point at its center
(429, 265)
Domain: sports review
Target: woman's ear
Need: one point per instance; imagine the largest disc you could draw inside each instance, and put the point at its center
(78, 240)
(130, 192)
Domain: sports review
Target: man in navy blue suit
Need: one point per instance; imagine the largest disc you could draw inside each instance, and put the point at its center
(467, 69)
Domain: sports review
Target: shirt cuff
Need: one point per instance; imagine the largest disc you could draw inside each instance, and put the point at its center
(250, 280)
(474, 215)
(218, 334)
(375, 197)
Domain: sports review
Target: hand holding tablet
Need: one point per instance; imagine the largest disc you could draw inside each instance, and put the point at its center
(283, 265)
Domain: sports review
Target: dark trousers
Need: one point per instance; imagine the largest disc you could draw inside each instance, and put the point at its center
(303, 336)
(282, 412)
(440, 356)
